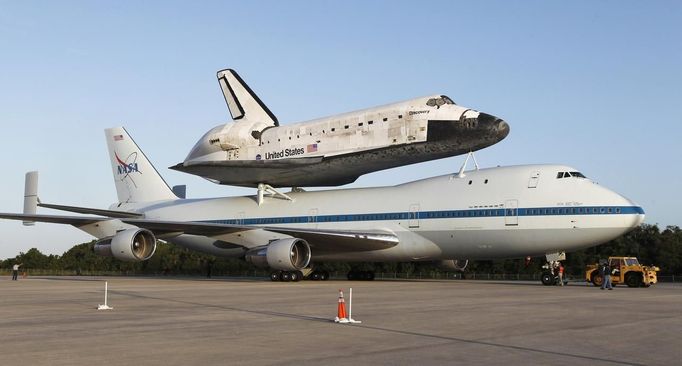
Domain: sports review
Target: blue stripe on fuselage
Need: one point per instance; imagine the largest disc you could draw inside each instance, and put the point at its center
(447, 214)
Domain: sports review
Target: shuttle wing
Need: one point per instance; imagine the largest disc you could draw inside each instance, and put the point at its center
(320, 240)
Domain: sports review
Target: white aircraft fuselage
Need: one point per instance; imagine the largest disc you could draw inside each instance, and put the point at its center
(490, 213)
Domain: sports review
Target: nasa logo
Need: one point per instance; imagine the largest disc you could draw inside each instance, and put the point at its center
(128, 166)
(258, 157)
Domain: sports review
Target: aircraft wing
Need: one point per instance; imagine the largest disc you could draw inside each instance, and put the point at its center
(94, 211)
(55, 219)
(319, 240)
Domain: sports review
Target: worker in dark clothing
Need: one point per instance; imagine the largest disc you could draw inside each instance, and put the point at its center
(605, 271)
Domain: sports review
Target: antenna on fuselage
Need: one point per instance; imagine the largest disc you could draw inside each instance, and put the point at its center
(466, 161)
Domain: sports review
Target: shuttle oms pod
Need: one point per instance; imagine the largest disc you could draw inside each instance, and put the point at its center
(254, 149)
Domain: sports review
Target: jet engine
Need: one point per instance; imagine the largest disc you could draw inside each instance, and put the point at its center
(130, 245)
(284, 254)
(457, 265)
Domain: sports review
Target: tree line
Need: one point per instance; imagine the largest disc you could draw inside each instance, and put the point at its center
(648, 243)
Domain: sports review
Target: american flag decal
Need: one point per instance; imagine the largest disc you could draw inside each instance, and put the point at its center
(311, 148)
(118, 137)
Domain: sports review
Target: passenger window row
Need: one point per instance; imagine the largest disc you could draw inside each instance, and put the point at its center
(425, 215)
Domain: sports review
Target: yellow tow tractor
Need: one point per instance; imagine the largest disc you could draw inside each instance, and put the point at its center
(625, 270)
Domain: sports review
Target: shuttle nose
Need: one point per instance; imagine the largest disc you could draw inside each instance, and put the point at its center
(496, 127)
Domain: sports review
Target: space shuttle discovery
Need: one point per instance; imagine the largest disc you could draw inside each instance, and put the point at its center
(254, 149)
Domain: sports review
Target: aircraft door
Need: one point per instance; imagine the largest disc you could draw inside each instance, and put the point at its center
(413, 216)
(312, 217)
(511, 212)
(534, 180)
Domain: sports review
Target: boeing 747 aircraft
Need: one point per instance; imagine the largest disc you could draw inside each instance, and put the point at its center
(499, 212)
(255, 150)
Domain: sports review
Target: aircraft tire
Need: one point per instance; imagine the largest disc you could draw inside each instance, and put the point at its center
(324, 276)
(316, 276)
(547, 279)
(286, 276)
(276, 276)
(296, 276)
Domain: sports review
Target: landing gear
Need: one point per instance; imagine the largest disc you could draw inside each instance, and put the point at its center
(319, 276)
(360, 276)
(286, 276)
(548, 279)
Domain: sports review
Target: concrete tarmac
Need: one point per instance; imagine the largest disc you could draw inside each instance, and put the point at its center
(192, 321)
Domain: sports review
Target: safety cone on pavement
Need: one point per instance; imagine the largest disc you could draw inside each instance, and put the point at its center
(341, 316)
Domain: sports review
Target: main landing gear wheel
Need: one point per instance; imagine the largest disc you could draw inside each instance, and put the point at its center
(286, 276)
(319, 276)
(296, 276)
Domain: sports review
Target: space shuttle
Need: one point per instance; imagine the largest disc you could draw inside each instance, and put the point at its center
(255, 150)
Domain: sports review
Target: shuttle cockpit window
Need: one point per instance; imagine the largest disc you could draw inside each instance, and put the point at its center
(447, 99)
(437, 102)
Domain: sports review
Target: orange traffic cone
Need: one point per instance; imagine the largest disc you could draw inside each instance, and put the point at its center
(341, 314)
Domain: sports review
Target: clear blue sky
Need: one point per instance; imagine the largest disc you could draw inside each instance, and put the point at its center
(592, 84)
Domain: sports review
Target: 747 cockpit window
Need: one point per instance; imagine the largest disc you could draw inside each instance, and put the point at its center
(437, 102)
(571, 174)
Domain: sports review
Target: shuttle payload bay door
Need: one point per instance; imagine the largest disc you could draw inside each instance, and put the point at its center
(511, 212)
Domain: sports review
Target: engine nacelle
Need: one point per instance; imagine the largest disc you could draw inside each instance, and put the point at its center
(457, 265)
(284, 254)
(130, 245)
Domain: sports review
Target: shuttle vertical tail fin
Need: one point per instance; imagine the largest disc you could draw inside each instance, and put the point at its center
(242, 101)
(136, 178)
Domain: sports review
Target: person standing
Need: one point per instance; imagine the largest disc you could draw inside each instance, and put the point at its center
(605, 271)
(561, 274)
(15, 271)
